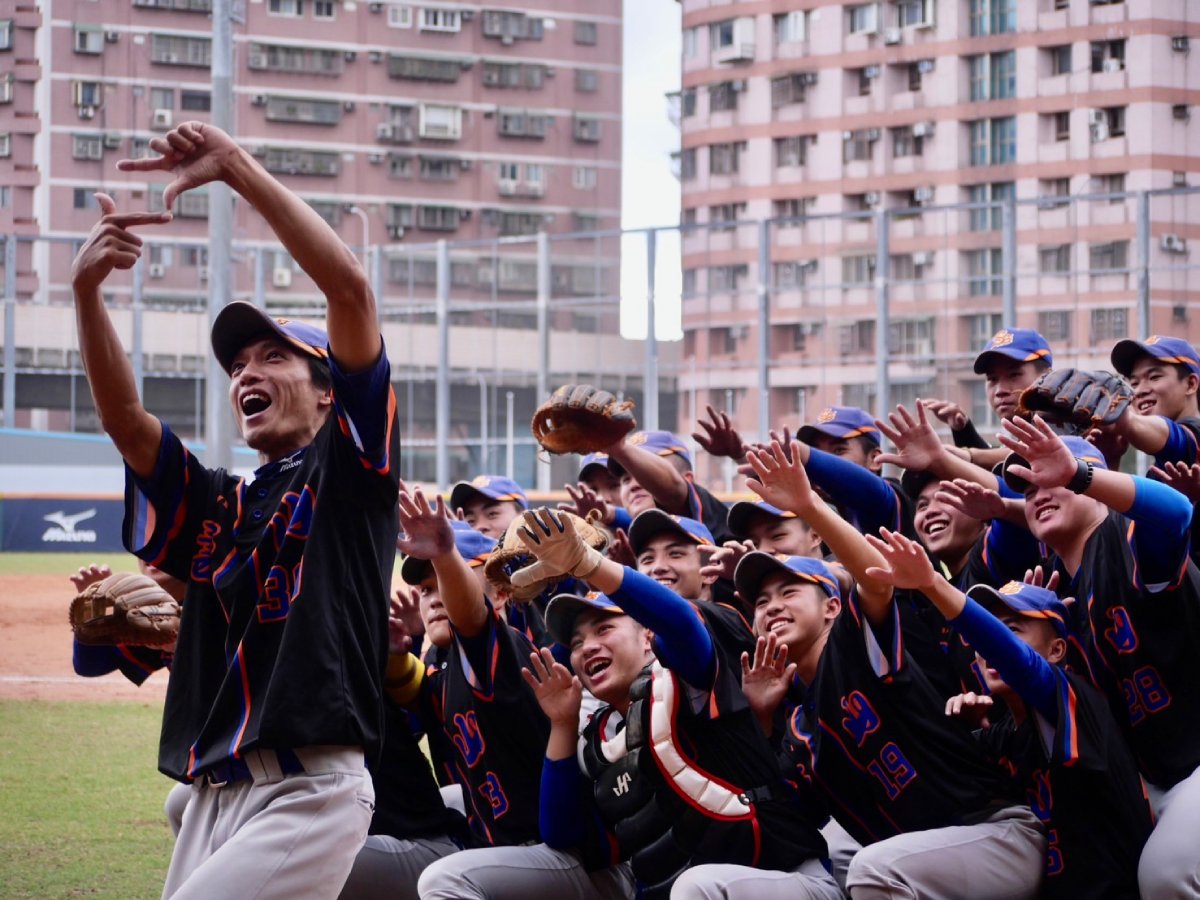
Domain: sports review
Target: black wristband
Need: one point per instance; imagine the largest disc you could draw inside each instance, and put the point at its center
(1082, 479)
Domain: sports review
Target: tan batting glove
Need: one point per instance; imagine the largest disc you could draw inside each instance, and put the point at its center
(556, 545)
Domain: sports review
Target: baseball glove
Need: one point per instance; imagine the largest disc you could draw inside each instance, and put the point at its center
(125, 609)
(511, 555)
(1076, 398)
(579, 418)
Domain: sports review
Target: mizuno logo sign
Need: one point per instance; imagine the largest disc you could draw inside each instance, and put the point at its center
(63, 528)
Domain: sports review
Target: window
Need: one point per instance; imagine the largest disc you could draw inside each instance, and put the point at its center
(1055, 325)
(689, 287)
(286, 7)
(723, 158)
(84, 198)
(83, 93)
(1050, 189)
(522, 123)
(905, 143)
(583, 178)
(1061, 122)
(1107, 122)
(438, 218)
(983, 270)
(197, 6)
(791, 208)
(425, 68)
(862, 19)
(1109, 324)
(988, 218)
(913, 13)
(902, 267)
(89, 39)
(981, 327)
(5, 145)
(587, 81)
(864, 77)
(858, 270)
(511, 26)
(440, 123)
(789, 276)
(329, 210)
(586, 129)
(400, 165)
(291, 161)
(447, 20)
(722, 96)
(792, 151)
(517, 223)
(1108, 257)
(790, 27)
(916, 72)
(161, 254)
(687, 164)
(721, 34)
(992, 16)
(691, 42)
(308, 112)
(191, 204)
(87, 146)
(727, 278)
(585, 33)
(162, 98)
(5, 34)
(1055, 260)
(859, 145)
(1060, 59)
(1108, 56)
(297, 60)
(787, 89)
(858, 337)
(993, 141)
(993, 76)
(687, 103)
(911, 337)
(725, 215)
(1111, 183)
(399, 16)
(173, 50)
(324, 9)
(195, 101)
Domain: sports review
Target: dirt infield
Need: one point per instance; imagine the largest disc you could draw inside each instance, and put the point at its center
(35, 647)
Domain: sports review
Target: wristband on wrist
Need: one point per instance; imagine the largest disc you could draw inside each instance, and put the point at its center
(1082, 479)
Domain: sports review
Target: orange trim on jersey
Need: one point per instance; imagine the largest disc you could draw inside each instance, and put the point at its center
(235, 747)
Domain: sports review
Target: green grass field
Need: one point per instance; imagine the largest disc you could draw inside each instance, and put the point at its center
(82, 808)
(62, 563)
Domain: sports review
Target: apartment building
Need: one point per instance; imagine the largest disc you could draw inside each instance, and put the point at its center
(819, 115)
(401, 123)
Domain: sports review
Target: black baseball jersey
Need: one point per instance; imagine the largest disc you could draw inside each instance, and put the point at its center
(1081, 780)
(1140, 647)
(872, 736)
(493, 731)
(283, 635)
(408, 803)
(704, 507)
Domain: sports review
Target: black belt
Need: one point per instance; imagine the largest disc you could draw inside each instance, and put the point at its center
(235, 769)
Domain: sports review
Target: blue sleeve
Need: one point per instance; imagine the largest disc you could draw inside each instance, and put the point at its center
(1180, 446)
(1162, 518)
(870, 501)
(560, 813)
(135, 663)
(366, 408)
(1008, 493)
(621, 518)
(681, 639)
(1021, 668)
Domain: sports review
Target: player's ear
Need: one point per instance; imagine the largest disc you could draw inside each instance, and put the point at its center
(833, 607)
(1192, 383)
(1056, 651)
(873, 463)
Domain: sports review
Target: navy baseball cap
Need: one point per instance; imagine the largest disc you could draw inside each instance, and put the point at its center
(592, 459)
(840, 422)
(1079, 448)
(564, 609)
(742, 512)
(1025, 600)
(661, 443)
(652, 522)
(496, 488)
(1014, 344)
(913, 481)
(756, 566)
(473, 546)
(240, 322)
(1173, 350)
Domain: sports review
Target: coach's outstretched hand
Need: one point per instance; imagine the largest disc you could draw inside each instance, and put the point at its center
(111, 245)
(197, 152)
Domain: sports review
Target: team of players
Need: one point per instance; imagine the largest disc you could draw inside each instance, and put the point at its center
(853, 685)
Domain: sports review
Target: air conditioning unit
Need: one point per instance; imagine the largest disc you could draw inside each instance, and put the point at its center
(112, 37)
(1180, 43)
(847, 135)
(892, 36)
(871, 72)
(87, 112)
(1179, 179)
(920, 260)
(385, 131)
(281, 278)
(923, 194)
(162, 119)
(375, 56)
(925, 66)
(376, 7)
(396, 231)
(349, 106)
(741, 48)
(922, 129)
(507, 188)
(350, 56)
(1113, 65)
(872, 134)
(202, 274)
(871, 198)
(156, 270)
(1097, 117)
(1173, 243)
(375, 158)
(1180, 112)
(808, 79)
(257, 60)
(258, 100)
(112, 141)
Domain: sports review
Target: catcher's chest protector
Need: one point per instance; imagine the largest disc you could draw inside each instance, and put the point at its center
(667, 813)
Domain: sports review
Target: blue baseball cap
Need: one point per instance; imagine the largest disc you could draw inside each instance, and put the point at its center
(742, 512)
(652, 522)
(240, 322)
(473, 546)
(661, 443)
(1079, 448)
(1014, 344)
(754, 567)
(840, 422)
(1173, 350)
(564, 609)
(496, 488)
(592, 459)
(1025, 600)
